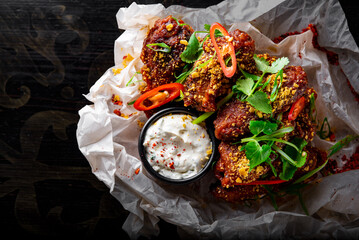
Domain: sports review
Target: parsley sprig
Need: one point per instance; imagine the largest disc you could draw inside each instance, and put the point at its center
(259, 147)
(249, 86)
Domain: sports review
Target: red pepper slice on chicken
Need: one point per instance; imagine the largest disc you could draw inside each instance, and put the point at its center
(225, 50)
(296, 108)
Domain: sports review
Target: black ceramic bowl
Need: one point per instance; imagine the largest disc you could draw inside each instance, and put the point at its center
(142, 151)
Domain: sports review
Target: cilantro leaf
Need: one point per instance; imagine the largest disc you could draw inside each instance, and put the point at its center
(260, 101)
(293, 156)
(207, 27)
(276, 66)
(299, 157)
(288, 171)
(257, 126)
(256, 153)
(249, 75)
(192, 50)
(243, 85)
(261, 64)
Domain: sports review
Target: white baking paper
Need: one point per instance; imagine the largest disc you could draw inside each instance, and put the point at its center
(109, 142)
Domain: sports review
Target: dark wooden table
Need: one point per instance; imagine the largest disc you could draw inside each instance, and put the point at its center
(51, 53)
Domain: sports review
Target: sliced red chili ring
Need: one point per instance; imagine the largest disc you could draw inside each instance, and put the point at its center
(158, 96)
(296, 108)
(226, 49)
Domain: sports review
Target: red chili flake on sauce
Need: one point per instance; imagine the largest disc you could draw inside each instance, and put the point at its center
(171, 165)
(178, 155)
(184, 149)
(124, 57)
(137, 171)
(117, 112)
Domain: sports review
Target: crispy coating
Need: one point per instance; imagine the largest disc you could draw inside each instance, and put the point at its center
(238, 193)
(233, 118)
(232, 168)
(294, 86)
(207, 83)
(160, 67)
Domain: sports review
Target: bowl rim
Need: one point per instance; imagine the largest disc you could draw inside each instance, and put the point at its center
(142, 152)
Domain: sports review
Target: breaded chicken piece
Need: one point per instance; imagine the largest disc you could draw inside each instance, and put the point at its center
(207, 83)
(161, 67)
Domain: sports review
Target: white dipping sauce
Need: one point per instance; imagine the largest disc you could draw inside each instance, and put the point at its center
(177, 148)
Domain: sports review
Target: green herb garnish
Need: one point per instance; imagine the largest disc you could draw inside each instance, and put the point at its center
(260, 101)
(179, 24)
(247, 87)
(163, 47)
(342, 143)
(266, 132)
(180, 98)
(192, 51)
(324, 131)
(311, 173)
(299, 158)
(129, 82)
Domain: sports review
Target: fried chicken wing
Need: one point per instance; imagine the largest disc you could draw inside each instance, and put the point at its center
(160, 67)
(233, 118)
(238, 194)
(232, 168)
(208, 83)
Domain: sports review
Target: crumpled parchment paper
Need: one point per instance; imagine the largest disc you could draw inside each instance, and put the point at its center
(109, 142)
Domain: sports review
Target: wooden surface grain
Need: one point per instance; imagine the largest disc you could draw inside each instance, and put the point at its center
(51, 53)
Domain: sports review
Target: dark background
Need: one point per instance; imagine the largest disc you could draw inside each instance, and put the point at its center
(51, 53)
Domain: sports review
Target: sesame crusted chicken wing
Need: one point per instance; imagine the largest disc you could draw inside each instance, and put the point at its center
(160, 67)
(294, 86)
(233, 118)
(238, 194)
(207, 83)
(232, 168)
